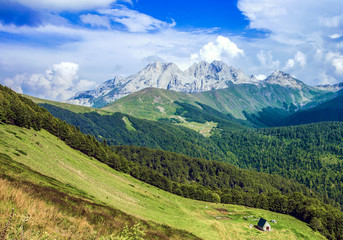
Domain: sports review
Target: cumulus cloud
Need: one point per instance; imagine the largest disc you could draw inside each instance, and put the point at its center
(261, 76)
(338, 64)
(266, 60)
(59, 82)
(16, 82)
(299, 60)
(221, 48)
(336, 59)
(324, 79)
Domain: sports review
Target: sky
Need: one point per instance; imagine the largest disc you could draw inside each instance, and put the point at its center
(53, 48)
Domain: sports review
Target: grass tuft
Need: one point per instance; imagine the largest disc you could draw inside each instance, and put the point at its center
(4, 231)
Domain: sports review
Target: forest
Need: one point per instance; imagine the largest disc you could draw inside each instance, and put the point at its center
(145, 133)
(309, 154)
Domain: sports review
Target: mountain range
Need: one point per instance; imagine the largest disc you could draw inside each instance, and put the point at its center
(200, 77)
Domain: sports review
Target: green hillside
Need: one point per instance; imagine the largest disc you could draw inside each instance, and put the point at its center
(50, 156)
(309, 154)
(331, 110)
(295, 154)
(122, 129)
(158, 103)
(70, 107)
(324, 218)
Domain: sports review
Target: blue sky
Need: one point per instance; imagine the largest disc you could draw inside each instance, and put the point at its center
(53, 48)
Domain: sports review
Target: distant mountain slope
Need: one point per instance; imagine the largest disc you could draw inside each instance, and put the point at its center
(122, 129)
(331, 110)
(68, 106)
(235, 100)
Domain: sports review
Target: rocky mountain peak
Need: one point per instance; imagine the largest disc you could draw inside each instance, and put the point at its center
(283, 79)
(279, 74)
(200, 77)
(158, 67)
(200, 69)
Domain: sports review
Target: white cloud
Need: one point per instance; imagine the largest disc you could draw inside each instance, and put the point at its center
(57, 83)
(61, 5)
(263, 13)
(261, 76)
(290, 64)
(325, 79)
(299, 60)
(294, 22)
(222, 48)
(311, 28)
(334, 36)
(84, 85)
(135, 21)
(96, 20)
(266, 60)
(338, 64)
(292, 16)
(16, 82)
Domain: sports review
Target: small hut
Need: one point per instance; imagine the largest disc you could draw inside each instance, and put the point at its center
(263, 225)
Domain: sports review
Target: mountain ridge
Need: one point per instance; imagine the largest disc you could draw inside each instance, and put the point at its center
(200, 77)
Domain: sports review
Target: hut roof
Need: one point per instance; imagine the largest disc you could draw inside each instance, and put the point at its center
(261, 222)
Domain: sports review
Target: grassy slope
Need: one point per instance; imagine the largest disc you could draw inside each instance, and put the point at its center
(156, 103)
(150, 103)
(153, 105)
(50, 156)
(70, 107)
(33, 211)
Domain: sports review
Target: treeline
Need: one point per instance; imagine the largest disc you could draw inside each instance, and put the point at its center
(220, 182)
(331, 110)
(20, 111)
(205, 114)
(309, 154)
(144, 133)
(17, 110)
(212, 174)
